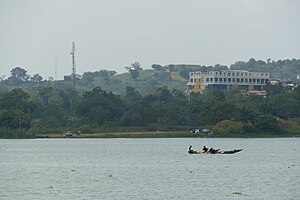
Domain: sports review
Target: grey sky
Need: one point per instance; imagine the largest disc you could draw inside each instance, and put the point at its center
(111, 34)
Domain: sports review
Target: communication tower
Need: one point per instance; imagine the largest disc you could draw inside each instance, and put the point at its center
(55, 73)
(73, 65)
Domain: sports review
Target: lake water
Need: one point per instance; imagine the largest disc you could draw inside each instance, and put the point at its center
(112, 169)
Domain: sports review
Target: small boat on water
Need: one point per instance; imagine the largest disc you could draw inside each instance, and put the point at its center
(216, 151)
(231, 152)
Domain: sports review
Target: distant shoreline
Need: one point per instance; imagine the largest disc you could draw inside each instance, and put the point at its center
(163, 134)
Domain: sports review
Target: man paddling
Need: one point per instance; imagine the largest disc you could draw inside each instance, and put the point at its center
(191, 151)
(205, 149)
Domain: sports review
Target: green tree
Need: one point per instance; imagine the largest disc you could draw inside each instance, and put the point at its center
(15, 119)
(36, 78)
(15, 99)
(134, 70)
(267, 124)
(244, 114)
(157, 67)
(138, 115)
(98, 106)
(132, 94)
(18, 76)
(216, 111)
(53, 116)
(274, 89)
(15, 110)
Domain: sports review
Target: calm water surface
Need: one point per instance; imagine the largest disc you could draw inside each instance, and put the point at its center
(111, 169)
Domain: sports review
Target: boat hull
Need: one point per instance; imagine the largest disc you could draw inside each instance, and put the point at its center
(231, 152)
(218, 152)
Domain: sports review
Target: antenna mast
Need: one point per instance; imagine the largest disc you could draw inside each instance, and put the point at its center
(73, 66)
(55, 74)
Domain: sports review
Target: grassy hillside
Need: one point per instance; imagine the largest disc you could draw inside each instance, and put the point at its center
(147, 82)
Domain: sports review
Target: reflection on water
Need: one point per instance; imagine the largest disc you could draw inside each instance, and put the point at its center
(148, 169)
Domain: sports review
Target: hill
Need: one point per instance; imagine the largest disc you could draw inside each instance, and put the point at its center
(146, 81)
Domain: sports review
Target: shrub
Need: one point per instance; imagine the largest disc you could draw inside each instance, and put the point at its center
(228, 126)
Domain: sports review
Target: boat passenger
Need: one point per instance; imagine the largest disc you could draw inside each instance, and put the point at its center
(211, 150)
(191, 150)
(205, 149)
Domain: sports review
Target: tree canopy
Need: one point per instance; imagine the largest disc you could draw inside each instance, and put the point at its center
(152, 100)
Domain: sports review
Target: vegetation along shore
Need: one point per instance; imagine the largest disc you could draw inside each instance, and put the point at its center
(148, 103)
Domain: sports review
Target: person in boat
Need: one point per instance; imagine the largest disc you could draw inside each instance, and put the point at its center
(211, 150)
(205, 149)
(191, 150)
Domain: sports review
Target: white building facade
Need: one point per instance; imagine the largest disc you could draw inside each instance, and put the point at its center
(225, 79)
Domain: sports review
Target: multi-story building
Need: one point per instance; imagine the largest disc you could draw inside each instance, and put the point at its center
(225, 79)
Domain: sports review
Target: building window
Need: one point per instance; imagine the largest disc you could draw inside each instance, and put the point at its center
(216, 73)
(211, 80)
(237, 74)
(216, 79)
(233, 74)
(250, 74)
(242, 74)
(250, 80)
(191, 80)
(220, 79)
(207, 79)
(258, 80)
(238, 80)
(246, 80)
(254, 80)
(242, 80)
(233, 80)
(225, 79)
(262, 80)
(228, 73)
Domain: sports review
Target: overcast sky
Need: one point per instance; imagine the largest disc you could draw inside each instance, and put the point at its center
(112, 34)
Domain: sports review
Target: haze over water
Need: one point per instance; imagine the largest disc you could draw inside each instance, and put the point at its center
(148, 169)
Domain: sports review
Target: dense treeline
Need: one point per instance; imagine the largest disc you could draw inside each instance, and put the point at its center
(146, 81)
(283, 70)
(54, 110)
(150, 99)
